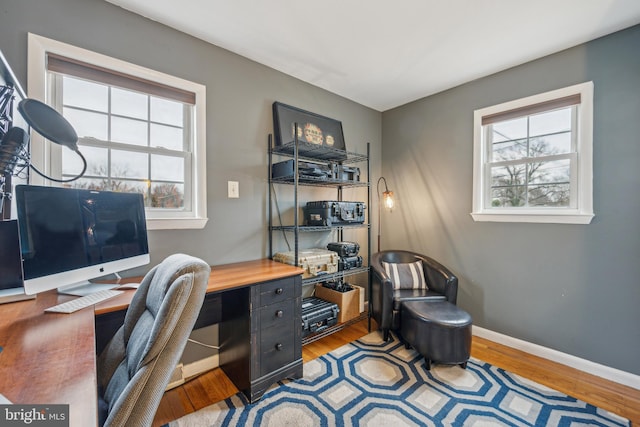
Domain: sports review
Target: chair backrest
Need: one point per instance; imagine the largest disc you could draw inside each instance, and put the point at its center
(398, 256)
(135, 367)
(438, 277)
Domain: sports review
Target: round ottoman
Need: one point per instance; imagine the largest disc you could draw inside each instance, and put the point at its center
(438, 330)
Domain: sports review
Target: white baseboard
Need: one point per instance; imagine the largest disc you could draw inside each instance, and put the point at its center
(199, 366)
(606, 372)
(183, 373)
(176, 378)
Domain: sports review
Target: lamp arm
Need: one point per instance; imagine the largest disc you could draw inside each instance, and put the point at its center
(382, 178)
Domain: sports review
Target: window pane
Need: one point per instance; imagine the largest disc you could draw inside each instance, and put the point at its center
(84, 94)
(508, 175)
(166, 168)
(168, 112)
(91, 184)
(550, 122)
(97, 161)
(128, 103)
(87, 124)
(557, 171)
(126, 186)
(127, 164)
(128, 131)
(551, 144)
(168, 137)
(509, 130)
(509, 150)
(552, 195)
(508, 197)
(167, 195)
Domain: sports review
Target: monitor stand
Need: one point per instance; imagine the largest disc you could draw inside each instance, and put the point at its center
(85, 288)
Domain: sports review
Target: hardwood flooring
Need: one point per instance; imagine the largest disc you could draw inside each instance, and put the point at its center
(214, 386)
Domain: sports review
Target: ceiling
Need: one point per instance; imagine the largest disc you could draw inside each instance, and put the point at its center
(383, 53)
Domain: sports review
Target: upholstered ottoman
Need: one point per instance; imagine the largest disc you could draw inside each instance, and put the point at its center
(438, 330)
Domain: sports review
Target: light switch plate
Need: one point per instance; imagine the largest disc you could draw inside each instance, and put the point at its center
(233, 189)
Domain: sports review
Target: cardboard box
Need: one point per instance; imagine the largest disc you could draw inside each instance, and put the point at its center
(362, 292)
(348, 302)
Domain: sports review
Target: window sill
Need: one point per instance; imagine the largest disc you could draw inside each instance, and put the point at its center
(534, 217)
(175, 223)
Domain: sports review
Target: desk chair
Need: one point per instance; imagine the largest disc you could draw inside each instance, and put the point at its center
(135, 367)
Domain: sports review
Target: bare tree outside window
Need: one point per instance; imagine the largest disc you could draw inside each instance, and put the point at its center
(529, 170)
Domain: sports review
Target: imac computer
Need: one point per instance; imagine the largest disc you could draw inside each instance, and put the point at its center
(69, 236)
(11, 282)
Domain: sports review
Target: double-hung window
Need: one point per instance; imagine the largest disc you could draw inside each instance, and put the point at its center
(532, 158)
(139, 130)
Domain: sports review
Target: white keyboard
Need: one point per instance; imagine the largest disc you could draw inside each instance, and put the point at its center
(82, 302)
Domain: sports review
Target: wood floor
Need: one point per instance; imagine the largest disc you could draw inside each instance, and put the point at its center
(622, 400)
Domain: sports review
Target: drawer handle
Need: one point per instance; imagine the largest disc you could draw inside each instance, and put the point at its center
(279, 313)
(279, 291)
(278, 346)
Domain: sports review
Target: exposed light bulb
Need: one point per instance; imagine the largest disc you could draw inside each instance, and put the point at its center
(388, 201)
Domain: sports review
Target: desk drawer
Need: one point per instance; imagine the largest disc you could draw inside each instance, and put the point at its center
(277, 314)
(277, 347)
(276, 291)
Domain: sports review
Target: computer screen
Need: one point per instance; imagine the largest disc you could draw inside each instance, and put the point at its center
(69, 236)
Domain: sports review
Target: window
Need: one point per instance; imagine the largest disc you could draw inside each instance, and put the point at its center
(139, 130)
(532, 158)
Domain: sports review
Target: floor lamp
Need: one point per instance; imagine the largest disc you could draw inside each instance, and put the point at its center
(387, 200)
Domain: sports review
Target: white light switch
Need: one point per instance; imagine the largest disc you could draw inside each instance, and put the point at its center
(233, 189)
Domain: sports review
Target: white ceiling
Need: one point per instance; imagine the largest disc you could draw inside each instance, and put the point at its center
(383, 53)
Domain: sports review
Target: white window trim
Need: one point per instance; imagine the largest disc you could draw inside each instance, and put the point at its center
(583, 212)
(41, 153)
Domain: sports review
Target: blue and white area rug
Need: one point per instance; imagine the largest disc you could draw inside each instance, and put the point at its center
(372, 383)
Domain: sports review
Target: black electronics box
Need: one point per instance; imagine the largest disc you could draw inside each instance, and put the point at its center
(306, 171)
(348, 173)
(347, 263)
(344, 248)
(317, 315)
(328, 213)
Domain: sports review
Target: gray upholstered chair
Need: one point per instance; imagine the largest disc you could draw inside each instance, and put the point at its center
(135, 367)
(387, 295)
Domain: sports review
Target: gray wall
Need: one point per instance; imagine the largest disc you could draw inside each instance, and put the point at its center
(239, 98)
(573, 288)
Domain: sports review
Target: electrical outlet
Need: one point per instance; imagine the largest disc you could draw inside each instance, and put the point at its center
(233, 189)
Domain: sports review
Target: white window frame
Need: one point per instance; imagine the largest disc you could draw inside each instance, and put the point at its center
(581, 209)
(47, 157)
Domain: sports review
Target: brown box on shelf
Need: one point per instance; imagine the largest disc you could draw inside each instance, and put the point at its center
(348, 302)
(362, 292)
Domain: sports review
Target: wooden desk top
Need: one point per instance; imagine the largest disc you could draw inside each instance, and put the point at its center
(222, 277)
(51, 358)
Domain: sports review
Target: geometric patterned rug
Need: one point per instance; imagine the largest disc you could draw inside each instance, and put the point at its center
(372, 383)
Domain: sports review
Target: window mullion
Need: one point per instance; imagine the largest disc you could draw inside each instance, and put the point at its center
(108, 146)
(94, 142)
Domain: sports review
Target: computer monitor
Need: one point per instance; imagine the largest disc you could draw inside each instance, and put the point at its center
(70, 236)
(11, 282)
